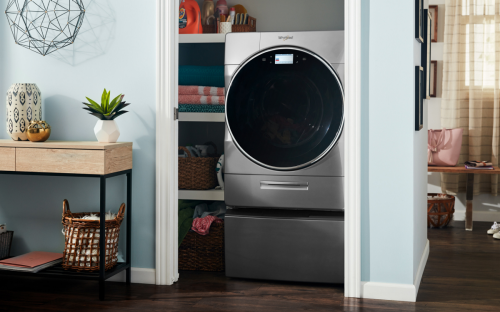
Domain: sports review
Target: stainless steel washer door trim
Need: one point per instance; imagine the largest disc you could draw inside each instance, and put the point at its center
(337, 136)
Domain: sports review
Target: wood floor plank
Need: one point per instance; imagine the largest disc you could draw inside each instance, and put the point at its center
(462, 274)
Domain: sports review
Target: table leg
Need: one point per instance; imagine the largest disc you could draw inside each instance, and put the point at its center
(129, 225)
(102, 240)
(469, 196)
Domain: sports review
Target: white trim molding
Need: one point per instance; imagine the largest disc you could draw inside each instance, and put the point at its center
(352, 131)
(166, 142)
(397, 292)
(137, 275)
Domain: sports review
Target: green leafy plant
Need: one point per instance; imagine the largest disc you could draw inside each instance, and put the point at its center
(107, 110)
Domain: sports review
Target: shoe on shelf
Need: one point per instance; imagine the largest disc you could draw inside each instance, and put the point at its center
(495, 228)
(496, 235)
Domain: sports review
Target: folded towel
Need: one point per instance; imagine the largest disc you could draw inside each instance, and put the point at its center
(200, 90)
(201, 108)
(201, 76)
(202, 99)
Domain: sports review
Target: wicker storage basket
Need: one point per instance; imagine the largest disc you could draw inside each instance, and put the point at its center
(250, 27)
(5, 243)
(198, 173)
(81, 250)
(440, 210)
(209, 29)
(203, 253)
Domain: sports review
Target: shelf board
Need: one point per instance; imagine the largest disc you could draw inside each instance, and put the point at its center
(203, 117)
(57, 271)
(201, 195)
(202, 38)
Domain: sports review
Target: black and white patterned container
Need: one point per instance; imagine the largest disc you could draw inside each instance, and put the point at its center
(24, 104)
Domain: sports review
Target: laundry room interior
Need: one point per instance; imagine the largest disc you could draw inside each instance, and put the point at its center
(268, 156)
(205, 53)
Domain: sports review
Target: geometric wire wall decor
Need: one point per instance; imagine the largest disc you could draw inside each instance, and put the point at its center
(45, 26)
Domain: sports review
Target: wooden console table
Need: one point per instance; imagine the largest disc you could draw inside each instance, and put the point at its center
(75, 159)
(469, 188)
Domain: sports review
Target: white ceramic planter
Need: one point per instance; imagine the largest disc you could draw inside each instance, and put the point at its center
(24, 104)
(106, 131)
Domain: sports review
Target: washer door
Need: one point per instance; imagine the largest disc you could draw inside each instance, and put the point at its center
(285, 108)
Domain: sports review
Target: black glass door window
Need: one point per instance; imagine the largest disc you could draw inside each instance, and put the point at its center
(285, 108)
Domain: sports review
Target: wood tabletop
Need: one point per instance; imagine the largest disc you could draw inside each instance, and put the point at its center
(83, 145)
(461, 169)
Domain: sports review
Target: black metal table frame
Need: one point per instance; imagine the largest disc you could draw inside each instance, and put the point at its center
(102, 276)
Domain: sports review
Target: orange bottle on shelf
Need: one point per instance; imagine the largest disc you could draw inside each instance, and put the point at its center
(189, 17)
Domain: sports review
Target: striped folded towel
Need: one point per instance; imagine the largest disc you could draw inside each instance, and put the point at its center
(202, 99)
(201, 90)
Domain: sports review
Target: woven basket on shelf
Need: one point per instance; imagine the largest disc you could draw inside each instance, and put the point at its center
(81, 250)
(198, 173)
(203, 253)
(250, 27)
(440, 210)
(5, 243)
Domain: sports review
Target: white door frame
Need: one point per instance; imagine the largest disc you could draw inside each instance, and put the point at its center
(167, 46)
(352, 271)
(166, 145)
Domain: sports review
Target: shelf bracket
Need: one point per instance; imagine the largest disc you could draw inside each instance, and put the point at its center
(176, 113)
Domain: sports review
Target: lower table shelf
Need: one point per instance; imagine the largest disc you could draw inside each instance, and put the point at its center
(58, 272)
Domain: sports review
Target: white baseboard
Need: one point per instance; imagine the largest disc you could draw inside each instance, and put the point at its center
(396, 292)
(480, 216)
(138, 276)
(421, 268)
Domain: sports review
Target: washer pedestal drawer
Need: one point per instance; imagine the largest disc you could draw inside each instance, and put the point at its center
(288, 192)
(300, 246)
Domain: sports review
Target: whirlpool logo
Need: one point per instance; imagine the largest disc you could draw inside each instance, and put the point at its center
(285, 38)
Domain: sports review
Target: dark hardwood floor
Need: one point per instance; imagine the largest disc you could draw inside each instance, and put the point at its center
(462, 274)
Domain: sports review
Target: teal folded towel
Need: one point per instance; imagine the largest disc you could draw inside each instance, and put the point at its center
(201, 108)
(212, 76)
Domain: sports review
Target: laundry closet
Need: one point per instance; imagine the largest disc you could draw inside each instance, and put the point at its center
(203, 123)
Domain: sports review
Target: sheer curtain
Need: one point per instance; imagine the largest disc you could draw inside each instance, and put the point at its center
(471, 70)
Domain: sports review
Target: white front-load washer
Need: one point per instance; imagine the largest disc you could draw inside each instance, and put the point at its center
(283, 149)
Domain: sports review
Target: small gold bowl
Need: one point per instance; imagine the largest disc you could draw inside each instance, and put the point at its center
(38, 131)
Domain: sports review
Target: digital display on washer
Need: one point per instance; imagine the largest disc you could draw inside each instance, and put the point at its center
(283, 59)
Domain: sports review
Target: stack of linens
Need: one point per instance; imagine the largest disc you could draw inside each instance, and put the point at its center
(201, 89)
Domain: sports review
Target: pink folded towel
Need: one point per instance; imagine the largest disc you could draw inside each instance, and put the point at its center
(201, 99)
(202, 225)
(200, 90)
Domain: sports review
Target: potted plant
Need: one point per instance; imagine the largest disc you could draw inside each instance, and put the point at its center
(106, 130)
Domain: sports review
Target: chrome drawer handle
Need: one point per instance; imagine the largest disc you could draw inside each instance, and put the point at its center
(278, 185)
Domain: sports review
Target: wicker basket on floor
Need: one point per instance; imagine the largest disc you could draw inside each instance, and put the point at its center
(203, 253)
(81, 250)
(198, 173)
(5, 244)
(440, 210)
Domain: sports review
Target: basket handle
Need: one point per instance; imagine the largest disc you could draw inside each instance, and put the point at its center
(213, 145)
(182, 148)
(121, 212)
(66, 208)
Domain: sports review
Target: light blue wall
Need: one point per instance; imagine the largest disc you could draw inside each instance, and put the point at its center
(393, 161)
(115, 50)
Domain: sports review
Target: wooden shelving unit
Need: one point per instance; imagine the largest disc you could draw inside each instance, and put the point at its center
(201, 195)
